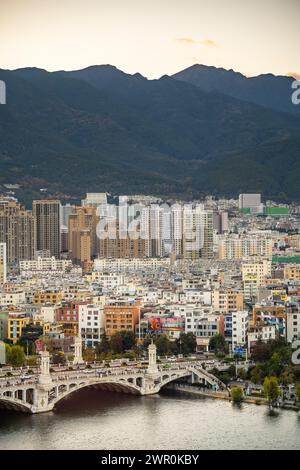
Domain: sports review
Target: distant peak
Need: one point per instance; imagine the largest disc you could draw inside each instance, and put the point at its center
(208, 68)
(139, 76)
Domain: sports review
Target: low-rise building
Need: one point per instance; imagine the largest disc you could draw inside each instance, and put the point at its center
(121, 316)
(15, 324)
(263, 332)
(91, 324)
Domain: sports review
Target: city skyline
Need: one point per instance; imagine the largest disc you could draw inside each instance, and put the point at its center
(149, 228)
(252, 38)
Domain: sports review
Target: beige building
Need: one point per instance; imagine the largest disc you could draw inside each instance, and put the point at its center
(254, 274)
(2, 263)
(82, 238)
(198, 227)
(235, 247)
(226, 301)
(46, 215)
(16, 230)
(291, 272)
(259, 268)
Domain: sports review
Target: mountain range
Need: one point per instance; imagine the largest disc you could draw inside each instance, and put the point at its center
(203, 130)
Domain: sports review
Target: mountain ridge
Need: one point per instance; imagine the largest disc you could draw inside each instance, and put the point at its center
(103, 129)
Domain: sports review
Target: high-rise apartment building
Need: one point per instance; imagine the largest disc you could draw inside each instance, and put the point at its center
(156, 230)
(2, 263)
(221, 222)
(16, 230)
(197, 232)
(46, 215)
(82, 238)
(65, 211)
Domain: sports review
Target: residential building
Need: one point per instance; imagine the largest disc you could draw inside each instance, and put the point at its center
(16, 230)
(15, 324)
(47, 297)
(82, 239)
(121, 316)
(91, 324)
(227, 300)
(239, 328)
(263, 333)
(3, 263)
(46, 215)
(4, 324)
(234, 247)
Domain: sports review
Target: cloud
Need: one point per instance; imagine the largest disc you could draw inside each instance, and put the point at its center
(209, 43)
(186, 40)
(295, 75)
(191, 41)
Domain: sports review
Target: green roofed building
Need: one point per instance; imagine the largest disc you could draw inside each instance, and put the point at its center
(286, 259)
(245, 210)
(276, 211)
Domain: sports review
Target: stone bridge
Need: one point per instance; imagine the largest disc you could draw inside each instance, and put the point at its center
(44, 390)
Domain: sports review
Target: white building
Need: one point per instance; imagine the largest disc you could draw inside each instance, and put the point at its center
(46, 264)
(94, 199)
(239, 328)
(12, 298)
(249, 201)
(108, 281)
(260, 333)
(133, 264)
(91, 324)
(47, 313)
(293, 326)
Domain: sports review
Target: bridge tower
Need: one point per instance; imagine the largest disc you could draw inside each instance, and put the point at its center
(77, 350)
(44, 384)
(152, 365)
(44, 376)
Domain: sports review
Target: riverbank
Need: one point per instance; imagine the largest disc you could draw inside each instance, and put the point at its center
(225, 396)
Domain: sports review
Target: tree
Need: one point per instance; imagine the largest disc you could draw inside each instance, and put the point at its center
(187, 343)
(128, 339)
(162, 343)
(242, 374)
(256, 375)
(271, 389)
(298, 393)
(89, 354)
(116, 343)
(261, 352)
(217, 343)
(103, 346)
(237, 394)
(275, 366)
(15, 356)
(286, 377)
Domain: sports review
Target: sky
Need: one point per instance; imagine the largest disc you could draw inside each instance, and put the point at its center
(152, 37)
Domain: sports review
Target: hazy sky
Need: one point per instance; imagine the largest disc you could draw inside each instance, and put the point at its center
(153, 37)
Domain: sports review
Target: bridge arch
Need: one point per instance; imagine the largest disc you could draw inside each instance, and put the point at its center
(14, 404)
(109, 385)
(200, 373)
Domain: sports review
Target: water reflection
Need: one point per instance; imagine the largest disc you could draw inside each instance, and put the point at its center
(93, 419)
